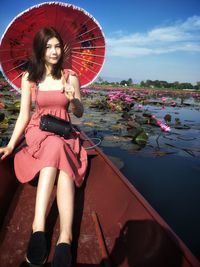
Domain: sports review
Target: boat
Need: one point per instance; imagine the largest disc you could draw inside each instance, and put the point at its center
(114, 226)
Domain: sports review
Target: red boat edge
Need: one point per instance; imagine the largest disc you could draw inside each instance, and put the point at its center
(113, 226)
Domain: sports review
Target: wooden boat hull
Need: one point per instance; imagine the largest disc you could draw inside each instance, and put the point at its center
(113, 224)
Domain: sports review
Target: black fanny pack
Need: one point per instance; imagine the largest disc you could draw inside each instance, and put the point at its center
(53, 124)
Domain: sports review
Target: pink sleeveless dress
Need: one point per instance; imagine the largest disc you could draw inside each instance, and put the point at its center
(46, 149)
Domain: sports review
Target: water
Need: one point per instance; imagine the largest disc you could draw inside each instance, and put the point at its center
(167, 170)
(171, 185)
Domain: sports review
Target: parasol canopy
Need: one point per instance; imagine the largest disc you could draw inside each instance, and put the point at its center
(84, 42)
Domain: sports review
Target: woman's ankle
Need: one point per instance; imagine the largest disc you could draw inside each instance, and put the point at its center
(65, 238)
(38, 227)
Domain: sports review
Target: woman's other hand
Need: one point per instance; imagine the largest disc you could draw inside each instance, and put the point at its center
(5, 151)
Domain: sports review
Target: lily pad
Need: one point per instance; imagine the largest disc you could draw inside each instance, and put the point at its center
(89, 123)
(182, 127)
(142, 138)
(116, 126)
(159, 153)
(4, 124)
(134, 132)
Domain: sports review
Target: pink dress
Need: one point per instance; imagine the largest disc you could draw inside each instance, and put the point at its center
(46, 149)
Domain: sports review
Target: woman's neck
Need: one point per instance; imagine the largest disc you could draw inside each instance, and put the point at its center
(48, 70)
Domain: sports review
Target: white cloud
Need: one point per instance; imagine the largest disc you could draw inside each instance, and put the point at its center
(181, 36)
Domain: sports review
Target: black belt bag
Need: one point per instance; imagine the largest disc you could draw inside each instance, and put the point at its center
(53, 124)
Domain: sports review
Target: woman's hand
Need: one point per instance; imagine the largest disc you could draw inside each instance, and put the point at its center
(5, 151)
(69, 92)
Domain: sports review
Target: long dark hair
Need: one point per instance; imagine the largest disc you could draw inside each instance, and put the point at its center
(36, 66)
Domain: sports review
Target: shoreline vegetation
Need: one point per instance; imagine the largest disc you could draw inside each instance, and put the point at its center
(101, 84)
(148, 84)
(169, 91)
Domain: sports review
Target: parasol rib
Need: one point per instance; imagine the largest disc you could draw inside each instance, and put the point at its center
(88, 31)
(14, 49)
(84, 67)
(86, 77)
(83, 59)
(87, 54)
(12, 59)
(17, 77)
(88, 47)
(16, 67)
(87, 40)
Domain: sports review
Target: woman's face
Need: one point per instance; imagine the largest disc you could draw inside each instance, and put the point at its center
(53, 52)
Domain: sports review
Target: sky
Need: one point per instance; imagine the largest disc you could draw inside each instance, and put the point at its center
(145, 39)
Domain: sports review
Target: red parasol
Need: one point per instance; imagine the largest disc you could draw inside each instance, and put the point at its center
(82, 35)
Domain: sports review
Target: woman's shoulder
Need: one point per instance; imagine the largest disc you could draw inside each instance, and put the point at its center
(25, 75)
(25, 80)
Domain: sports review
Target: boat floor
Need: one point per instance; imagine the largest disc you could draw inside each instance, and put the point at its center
(16, 230)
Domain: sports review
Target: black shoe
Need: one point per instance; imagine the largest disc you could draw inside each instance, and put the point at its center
(62, 256)
(37, 249)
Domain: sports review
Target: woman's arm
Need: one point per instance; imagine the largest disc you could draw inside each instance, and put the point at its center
(23, 118)
(74, 96)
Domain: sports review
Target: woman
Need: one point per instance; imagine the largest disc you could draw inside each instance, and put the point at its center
(50, 155)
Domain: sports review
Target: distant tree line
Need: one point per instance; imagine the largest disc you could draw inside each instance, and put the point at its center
(150, 84)
(174, 85)
(145, 84)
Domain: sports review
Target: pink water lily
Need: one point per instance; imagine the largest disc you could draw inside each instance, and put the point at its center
(163, 99)
(163, 126)
(85, 90)
(2, 105)
(119, 96)
(173, 103)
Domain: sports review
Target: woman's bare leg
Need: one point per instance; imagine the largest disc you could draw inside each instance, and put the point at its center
(65, 202)
(44, 190)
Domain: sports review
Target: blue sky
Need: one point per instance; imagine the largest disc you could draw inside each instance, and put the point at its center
(146, 39)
